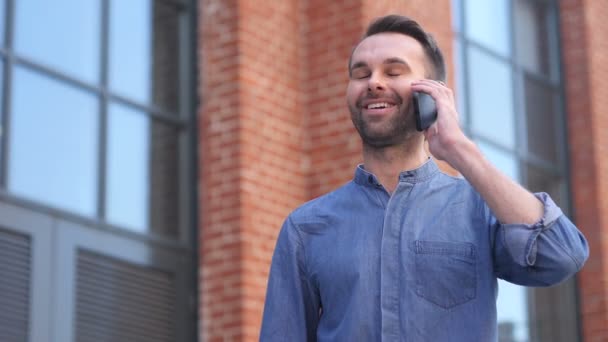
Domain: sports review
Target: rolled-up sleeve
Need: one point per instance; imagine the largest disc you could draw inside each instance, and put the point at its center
(291, 311)
(543, 254)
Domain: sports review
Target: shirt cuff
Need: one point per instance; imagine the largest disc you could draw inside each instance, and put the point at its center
(521, 239)
(551, 211)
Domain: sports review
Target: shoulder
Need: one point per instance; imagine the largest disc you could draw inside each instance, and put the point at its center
(457, 183)
(458, 189)
(323, 208)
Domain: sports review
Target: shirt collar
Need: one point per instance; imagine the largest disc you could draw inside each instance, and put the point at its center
(423, 172)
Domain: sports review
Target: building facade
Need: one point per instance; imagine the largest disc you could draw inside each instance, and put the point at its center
(151, 149)
(275, 132)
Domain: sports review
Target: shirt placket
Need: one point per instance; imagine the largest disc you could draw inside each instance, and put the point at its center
(390, 277)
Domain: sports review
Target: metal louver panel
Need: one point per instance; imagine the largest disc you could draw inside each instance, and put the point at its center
(118, 301)
(14, 286)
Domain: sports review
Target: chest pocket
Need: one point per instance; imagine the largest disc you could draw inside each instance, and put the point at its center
(446, 272)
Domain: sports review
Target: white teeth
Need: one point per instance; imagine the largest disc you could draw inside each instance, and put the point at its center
(378, 105)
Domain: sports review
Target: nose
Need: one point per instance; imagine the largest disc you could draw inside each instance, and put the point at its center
(375, 83)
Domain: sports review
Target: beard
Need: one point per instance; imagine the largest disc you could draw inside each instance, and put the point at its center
(395, 131)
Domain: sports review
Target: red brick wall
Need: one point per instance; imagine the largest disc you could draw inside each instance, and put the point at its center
(274, 132)
(585, 48)
(251, 157)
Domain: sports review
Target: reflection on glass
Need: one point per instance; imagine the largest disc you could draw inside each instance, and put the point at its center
(144, 52)
(505, 162)
(555, 313)
(53, 143)
(488, 24)
(63, 34)
(127, 167)
(512, 312)
(534, 38)
(2, 20)
(541, 117)
(491, 97)
(142, 172)
(1, 110)
(538, 179)
(460, 78)
(456, 16)
(164, 175)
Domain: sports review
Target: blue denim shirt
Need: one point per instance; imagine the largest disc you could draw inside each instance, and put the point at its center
(360, 264)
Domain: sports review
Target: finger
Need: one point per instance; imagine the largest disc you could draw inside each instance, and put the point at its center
(435, 89)
(432, 89)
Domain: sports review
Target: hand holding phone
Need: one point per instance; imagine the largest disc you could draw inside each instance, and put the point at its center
(425, 110)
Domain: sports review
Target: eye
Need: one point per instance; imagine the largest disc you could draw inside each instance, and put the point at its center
(394, 72)
(360, 74)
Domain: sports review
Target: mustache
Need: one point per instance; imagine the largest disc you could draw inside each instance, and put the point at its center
(394, 97)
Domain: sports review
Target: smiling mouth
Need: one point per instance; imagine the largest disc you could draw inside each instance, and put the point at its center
(379, 105)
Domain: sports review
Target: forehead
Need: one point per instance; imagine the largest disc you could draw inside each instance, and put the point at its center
(379, 47)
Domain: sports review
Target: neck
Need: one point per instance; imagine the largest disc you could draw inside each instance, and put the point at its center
(388, 162)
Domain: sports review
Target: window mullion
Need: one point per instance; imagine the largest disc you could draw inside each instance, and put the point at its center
(103, 110)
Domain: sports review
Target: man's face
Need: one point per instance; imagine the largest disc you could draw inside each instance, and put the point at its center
(378, 95)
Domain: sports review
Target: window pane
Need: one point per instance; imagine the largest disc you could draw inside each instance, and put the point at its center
(554, 313)
(1, 109)
(535, 36)
(63, 34)
(144, 52)
(542, 116)
(127, 167)
(2, 20)
(142, 171)
(538, 179)
(491, 97)
(504, 161)
(456, 16)
(53, 143)
(488, 24)
(460, 78)
(512, 312)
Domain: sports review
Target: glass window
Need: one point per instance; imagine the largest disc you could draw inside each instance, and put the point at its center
(488, 24)
(142, 172)
(460, 78)
(534, 38)
(538, 179)
(1, 109)
(144, 53)
(456, 16)
(486, 33)
(505, 162)
(127, 167)
(2, 20)
(542, 116)
(491, 97)
(512, 312)
(164, 200)
(53, 144)
(63, 34)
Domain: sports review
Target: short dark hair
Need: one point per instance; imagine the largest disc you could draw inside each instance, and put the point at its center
(409, 27)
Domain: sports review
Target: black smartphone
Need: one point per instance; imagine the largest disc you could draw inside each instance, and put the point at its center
(425, 110)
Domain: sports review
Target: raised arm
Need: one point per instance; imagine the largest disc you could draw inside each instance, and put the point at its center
(510, 202)
(534, 243)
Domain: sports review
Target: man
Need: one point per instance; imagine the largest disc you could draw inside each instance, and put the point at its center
(404, 252)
